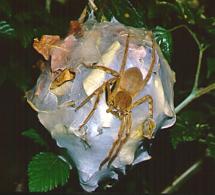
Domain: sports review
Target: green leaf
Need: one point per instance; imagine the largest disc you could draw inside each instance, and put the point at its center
(211, 67)
(33, 134)
(5, 8)
(123, 10)
(6, 29)
(210, 25)
(47, 171)
(181, 133)
(185, 11)
(190, 126)
(164, 39)
(211, 146)
(211, 151)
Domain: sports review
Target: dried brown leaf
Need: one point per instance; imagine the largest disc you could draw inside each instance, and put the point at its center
(64, 76)
(44, 45)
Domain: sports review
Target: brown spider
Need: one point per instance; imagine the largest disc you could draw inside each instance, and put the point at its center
(120, 91)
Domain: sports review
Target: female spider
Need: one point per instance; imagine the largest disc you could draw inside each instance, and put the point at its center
(120, 90)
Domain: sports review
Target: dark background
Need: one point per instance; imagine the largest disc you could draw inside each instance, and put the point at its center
(16, 115)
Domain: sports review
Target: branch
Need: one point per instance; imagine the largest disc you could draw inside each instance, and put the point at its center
(165, 3)
(83, 15)
(205, 90)
(195, 93)
(48, 6)
(201, 51)
(185, 102)
(190, 31)
(202, 47)
(182, 178)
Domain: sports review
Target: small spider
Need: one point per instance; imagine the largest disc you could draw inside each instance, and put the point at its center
(120, 92)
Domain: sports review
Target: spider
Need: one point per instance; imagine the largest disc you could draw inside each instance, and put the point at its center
(120, 92)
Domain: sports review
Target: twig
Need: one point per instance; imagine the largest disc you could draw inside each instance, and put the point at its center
(92, 6)
(205, 90)
(195, 93)
(83, 15)
(183, 177)
(165, 3)
(201, 47)
(190, 31)
(185, 102)
(201, 51)
(48, 6)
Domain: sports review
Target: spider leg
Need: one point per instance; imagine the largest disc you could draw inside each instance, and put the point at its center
(98, 93)
(109, 93)
(149, 124)
(124, 59)
(147, 98)
(94, 93)
(87, 99)
(93, 109)
(115, 113)
(153, 59)
(124, 139)
(104, 68)
(115, 143)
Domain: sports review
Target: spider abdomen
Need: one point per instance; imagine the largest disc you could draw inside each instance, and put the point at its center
(131, 81)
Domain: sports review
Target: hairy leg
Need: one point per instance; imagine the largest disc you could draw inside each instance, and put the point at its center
(124, 59)
(148, 99)
(98, 92)
(151, 67)
(102, 87)
(104, 68)
(149, 124)
(115, 113)
(92, 111)
(123, 139)
(87, 99)
(120, 133)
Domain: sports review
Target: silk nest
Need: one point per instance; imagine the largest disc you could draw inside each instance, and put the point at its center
(104, 44)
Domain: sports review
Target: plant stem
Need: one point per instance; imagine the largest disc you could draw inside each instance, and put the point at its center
(205, 90)
(198, 70)
(92, 5)
(83, 15)
(185, 102)
(193, 95)
(195, 91)
(201, 51)
(190, 31)
(165, 3)
(48, 6)
(183, 177)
